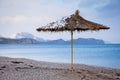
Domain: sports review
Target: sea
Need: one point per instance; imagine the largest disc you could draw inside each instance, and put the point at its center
(105, 55)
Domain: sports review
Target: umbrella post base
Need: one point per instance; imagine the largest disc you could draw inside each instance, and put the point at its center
(72, 69)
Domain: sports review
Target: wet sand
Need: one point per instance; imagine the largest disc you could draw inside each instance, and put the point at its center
(26, 69)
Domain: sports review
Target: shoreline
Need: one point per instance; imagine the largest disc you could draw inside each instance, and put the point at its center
(61, 62)
(27, 69)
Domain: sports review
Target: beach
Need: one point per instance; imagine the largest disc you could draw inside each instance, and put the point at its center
(27, 69)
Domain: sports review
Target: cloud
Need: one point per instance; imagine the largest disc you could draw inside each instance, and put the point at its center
(14, 20)
(0, 35)
(93, 3)
(20, 19)
(90, 8)
(13, 36)
(112, 9)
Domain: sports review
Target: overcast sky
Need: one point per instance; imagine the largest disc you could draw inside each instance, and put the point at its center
(18, 16)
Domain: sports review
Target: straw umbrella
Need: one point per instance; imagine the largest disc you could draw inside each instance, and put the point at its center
(74, 22)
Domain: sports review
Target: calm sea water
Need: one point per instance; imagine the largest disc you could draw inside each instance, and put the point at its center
(107, 55)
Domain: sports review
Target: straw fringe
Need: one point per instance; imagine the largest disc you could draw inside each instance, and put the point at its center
(74, 23)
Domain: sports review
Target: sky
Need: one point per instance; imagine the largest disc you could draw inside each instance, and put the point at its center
(18, 16)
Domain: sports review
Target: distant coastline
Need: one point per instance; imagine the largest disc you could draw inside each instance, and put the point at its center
(58, 41)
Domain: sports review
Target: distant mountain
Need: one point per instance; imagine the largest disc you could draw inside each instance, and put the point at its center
(88, 41)
(18, 41)
(27, 35)
(59, 41)
(107, 42)
(27, 38)
(76, 41)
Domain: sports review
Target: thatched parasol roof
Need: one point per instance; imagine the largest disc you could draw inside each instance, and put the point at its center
(73, 23)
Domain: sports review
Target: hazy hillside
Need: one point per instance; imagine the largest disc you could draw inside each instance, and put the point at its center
(27, 38)
(18, 41)
(27, 35)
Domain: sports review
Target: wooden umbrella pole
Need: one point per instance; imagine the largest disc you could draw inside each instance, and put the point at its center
(72, 62)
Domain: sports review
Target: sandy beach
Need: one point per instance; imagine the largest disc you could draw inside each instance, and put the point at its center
(26, 69)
